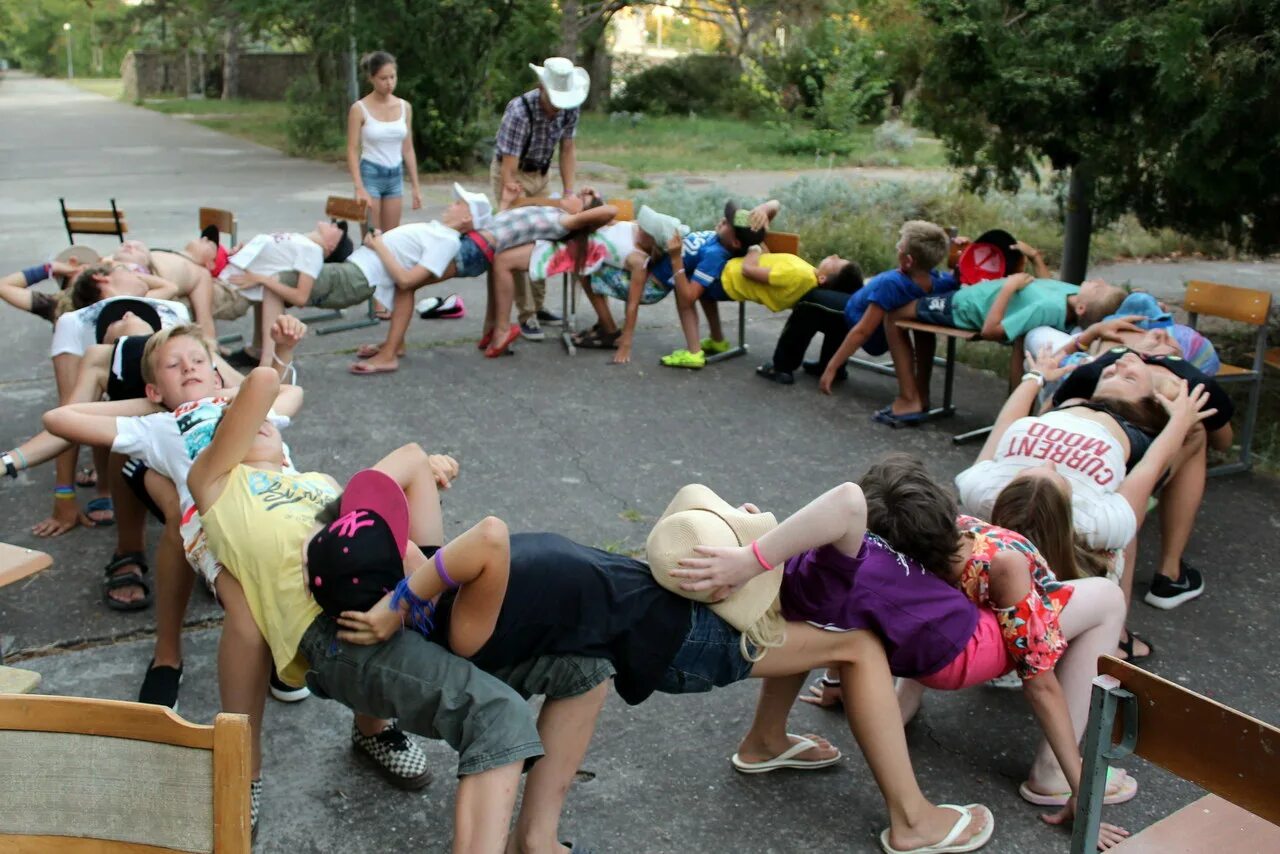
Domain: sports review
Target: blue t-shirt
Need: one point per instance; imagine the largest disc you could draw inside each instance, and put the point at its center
(891, 290)
(704, 259)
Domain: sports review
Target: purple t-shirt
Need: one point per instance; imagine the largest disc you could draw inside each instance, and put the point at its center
(923, 621)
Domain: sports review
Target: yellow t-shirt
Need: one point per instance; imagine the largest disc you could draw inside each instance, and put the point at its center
(257, 528)
(790, 277)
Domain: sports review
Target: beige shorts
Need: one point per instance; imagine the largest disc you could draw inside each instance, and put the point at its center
(228, 302)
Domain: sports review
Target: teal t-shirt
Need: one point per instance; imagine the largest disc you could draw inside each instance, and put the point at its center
(1041, 303)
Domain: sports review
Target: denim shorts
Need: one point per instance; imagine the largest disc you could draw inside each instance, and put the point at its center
(432, 692)
(710, 657)
(382, 182)
(471, 260)
(936, 309)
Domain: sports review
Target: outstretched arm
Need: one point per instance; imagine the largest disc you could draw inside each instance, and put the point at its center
(234, 437)
(838, 517)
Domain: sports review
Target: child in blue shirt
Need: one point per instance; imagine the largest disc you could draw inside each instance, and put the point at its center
(849, 322)
(702, 257)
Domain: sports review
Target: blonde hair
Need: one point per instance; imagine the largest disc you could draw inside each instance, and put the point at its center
(764, 634)
(164, 336)
(926, 243)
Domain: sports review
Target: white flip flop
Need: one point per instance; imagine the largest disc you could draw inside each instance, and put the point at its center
(786, 759)
(945, 844)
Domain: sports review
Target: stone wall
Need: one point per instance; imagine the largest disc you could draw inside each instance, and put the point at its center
(263, 76)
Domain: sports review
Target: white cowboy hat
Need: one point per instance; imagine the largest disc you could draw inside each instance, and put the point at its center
(699, 517)
(565, 83)
(478, 203)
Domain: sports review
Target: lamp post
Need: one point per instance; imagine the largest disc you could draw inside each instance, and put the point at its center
(66, 28)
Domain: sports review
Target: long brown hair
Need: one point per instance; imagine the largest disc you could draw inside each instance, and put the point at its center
(1038, 509)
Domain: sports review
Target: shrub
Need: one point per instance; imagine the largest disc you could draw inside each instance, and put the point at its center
(698, 83)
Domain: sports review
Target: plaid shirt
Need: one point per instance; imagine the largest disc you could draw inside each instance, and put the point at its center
(546, 133)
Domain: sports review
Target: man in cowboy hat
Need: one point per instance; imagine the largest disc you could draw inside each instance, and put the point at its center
(532, 125)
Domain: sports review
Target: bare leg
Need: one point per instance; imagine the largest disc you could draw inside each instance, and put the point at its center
(244, 663)
(565, 726)
(174, 576)
(711, 309)
(272, 307)
(482, 811)
(1091, 623)
(904, 364)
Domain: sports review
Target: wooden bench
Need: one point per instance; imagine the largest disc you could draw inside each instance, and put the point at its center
(774, 241)
(17, 563)
(1232, 755)
(1242, 305)
(84, 775)
(95, 221)
(351, 210)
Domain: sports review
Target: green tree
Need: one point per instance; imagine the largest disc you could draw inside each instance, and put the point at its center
(1166, 108)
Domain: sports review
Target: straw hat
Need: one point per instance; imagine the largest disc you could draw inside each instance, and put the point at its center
(699, 517)
(566, 84)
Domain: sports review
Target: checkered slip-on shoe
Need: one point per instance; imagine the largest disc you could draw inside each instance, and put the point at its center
(255, 805)
(398, 759)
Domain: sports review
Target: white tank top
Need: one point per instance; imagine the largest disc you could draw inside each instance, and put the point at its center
(382, 143)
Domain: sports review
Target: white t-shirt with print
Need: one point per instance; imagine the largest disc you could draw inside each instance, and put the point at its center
(417, 244)
(76, 331)
(1087, 455)
(272, 254)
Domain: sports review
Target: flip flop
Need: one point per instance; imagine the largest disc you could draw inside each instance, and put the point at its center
(909, 419)
(371, 369)
(1128, 791)
(99, 505)
(503, 348)
(947, 844)
(786, 759)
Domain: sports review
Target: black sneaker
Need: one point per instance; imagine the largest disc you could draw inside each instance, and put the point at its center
(815, 369)
(287, 693)
(780, 377)
(548, 316)
(1167, 594)
(400, 760)
(160, 686)
(255, 805)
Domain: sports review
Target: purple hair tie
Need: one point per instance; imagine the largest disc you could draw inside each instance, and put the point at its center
(444, 576)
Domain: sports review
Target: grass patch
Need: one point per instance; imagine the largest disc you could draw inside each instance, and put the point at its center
(110, 87)
(695, 144)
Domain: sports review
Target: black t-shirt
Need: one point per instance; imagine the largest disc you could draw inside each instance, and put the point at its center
(568, 599)
(1083, 380)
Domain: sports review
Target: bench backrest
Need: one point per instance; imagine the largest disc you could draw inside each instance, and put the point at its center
(93, 221)
(124, 775)
(1231, 754)
(223, 219)
(782, 241)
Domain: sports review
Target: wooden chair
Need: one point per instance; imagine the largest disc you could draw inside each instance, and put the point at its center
(226, 223)
(86, 221)
(17, 563)
(1216, 747)
(774, 241)
(351, 210)
(1243, 305)
(85, 775)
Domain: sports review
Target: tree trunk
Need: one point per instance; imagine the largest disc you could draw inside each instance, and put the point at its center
(1079, 225)
(570, 11)
(231, 60)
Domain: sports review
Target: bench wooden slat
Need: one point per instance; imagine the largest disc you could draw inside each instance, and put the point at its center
(93, 226)
(1209, 824)
(1246, 305)
(949, 331)
(782, 241)
(94, 214)
(16, 563)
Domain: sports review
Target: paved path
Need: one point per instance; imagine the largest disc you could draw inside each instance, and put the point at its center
(571, 445)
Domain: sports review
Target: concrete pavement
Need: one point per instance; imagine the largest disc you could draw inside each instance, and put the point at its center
(572, 445)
